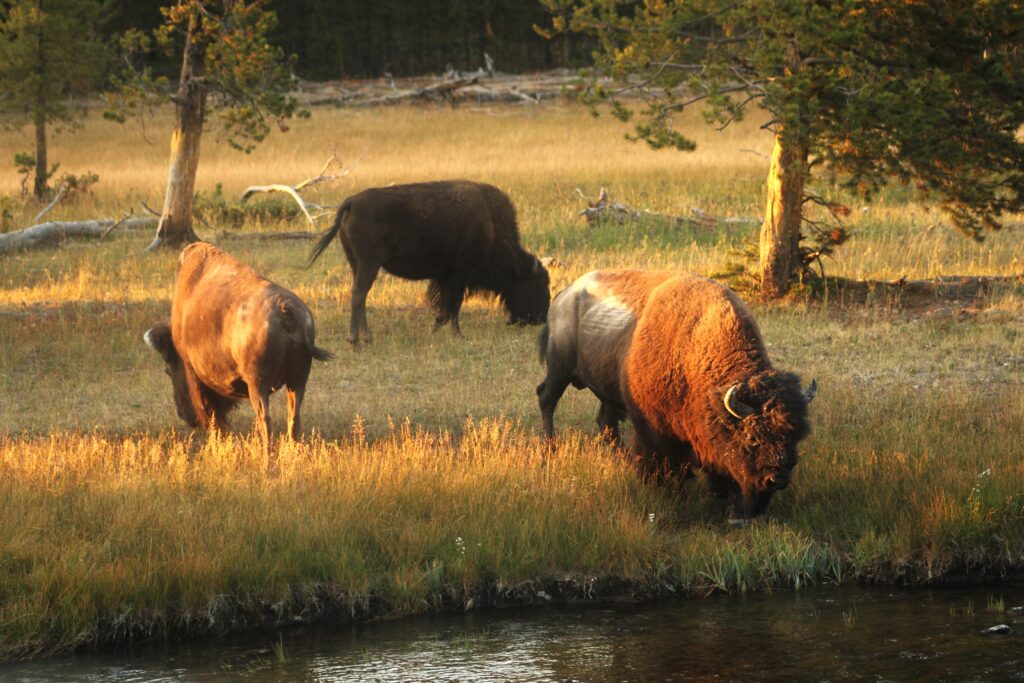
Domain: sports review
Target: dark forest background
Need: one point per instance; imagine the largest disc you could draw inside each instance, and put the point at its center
(366, 38)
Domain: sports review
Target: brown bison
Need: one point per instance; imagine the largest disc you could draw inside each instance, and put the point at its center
(458, 234)
(683, 358)
(233, 335)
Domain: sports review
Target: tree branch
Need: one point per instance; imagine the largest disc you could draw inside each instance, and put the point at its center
(293, 192)
(60, 194)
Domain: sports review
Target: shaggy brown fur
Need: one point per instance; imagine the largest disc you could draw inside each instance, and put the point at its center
(460, 235)
(686, 342)
(233, 335)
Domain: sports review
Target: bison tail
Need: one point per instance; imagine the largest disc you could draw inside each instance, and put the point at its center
(327, 237)
(322, 354)
(542, 344)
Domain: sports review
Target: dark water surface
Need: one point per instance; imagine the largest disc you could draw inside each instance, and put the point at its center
(821, 634)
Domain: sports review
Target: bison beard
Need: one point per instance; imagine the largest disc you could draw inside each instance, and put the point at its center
(683, 358)
(233, 335)
(460, 235)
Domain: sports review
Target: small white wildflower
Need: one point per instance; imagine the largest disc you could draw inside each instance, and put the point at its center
(986, 473)
(650, 517)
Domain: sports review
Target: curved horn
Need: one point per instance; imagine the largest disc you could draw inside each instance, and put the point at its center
(736, 407)
(811, 391)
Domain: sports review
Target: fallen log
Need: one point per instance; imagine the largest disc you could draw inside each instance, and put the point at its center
(605, 208)
(268, 236)
(57, 231)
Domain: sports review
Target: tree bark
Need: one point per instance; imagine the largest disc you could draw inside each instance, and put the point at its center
(39, 188)
(780, 232)
(39, 116)
(175, 227)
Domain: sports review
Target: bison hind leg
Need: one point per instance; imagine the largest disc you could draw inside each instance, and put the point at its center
(296, 387)
(549, 393)
(259, 397)
(608, 419)
(364, 276)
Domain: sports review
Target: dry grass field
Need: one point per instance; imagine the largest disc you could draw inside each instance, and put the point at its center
(423, 483)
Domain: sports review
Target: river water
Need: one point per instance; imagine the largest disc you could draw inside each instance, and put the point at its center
(819, 634)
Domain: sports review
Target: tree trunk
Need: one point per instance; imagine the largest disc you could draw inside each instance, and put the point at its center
(39, 188)
(175, 227)
(39, 115)
(780, 232)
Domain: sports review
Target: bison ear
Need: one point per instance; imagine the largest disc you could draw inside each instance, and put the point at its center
(159, 339)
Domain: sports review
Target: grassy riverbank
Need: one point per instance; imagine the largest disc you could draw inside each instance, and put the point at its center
(423, 483)
(110, 538)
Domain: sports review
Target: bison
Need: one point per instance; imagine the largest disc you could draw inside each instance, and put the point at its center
(233, 335)
(460, 235)
(682, 357)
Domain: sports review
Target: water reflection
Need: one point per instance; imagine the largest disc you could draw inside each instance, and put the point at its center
(821, 634)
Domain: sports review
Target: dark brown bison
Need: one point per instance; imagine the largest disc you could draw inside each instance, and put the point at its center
(682, 357)
(233, 335)
(460, 235)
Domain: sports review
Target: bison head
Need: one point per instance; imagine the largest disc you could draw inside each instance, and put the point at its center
(528, 295)
(764, 418)
(159, 339)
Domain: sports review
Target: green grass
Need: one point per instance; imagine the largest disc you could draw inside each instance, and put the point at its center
(423, 483)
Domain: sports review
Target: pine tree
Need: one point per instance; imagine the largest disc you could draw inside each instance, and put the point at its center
(929, 93)
(227, 64)
(49, 50)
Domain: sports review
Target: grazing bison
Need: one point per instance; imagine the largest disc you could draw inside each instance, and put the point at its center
(458, 234)
(683, 358)
(233, 335)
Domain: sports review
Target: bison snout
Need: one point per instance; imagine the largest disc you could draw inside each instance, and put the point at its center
(775, 482)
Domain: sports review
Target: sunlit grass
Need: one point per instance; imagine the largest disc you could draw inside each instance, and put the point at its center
(422, 483)
(148, 535)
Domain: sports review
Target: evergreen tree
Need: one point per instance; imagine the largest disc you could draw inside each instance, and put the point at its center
(50, 50)
(228, 64)
(921, 91)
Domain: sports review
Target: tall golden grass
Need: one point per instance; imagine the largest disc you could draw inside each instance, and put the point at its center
(423, 483)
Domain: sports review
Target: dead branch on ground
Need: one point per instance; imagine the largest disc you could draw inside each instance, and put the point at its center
(268, 236)
(604, 208)
(56, 231)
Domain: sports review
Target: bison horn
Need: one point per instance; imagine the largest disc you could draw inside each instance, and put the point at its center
(811, 391)
(736, 407)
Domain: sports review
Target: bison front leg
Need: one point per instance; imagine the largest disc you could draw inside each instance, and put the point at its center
(446, 300)
(456, 293)
(726, 488)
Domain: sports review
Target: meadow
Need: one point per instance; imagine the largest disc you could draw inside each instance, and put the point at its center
(423, 482)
